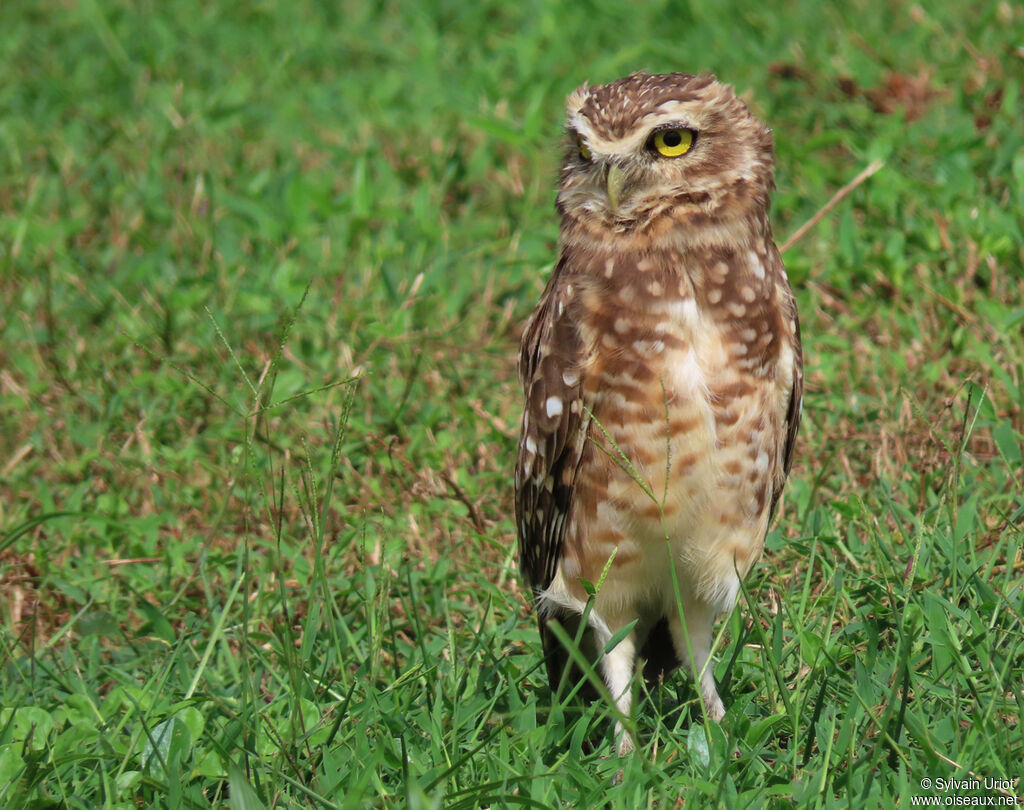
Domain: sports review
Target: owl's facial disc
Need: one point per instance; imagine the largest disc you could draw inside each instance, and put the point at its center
(620, 168)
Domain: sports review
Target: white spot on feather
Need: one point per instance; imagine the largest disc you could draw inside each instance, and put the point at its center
(648, 348)
(756, 265)
(687, 312)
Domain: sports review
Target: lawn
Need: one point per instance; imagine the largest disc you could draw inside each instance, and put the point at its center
(263, 272)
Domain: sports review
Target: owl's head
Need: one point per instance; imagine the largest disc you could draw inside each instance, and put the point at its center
(651, 152)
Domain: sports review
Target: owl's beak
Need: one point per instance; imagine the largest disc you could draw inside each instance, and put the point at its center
(616, 183)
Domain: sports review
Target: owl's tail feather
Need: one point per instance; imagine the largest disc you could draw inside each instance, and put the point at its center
(563, 672)
(657, 651)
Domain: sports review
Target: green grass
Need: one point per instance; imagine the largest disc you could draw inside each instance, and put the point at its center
(263, 268)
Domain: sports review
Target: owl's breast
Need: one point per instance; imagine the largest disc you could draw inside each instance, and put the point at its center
(681, 440)
(653, 388)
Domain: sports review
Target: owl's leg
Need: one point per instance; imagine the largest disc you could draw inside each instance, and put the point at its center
(617, 668)
(692, 641)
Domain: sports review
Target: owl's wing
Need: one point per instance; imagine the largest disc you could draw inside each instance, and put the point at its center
(796, 399)
(796, 394)
(551, 443)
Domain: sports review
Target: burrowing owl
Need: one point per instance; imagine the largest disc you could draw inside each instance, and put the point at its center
(662, 373)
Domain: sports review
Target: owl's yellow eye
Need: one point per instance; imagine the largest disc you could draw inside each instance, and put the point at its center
(582, 146)
(672, 142)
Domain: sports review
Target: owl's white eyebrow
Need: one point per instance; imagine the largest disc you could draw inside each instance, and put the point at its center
(600, 145)
(576, 126)
(673, 125)
(665, 120)
(670, 106)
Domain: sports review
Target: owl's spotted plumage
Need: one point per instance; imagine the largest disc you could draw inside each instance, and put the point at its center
(662, 374)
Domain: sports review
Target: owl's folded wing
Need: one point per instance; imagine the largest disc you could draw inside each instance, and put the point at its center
(796, 393)
(553, 433)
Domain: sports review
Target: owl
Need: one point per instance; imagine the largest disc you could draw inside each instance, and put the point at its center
(662, 379)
